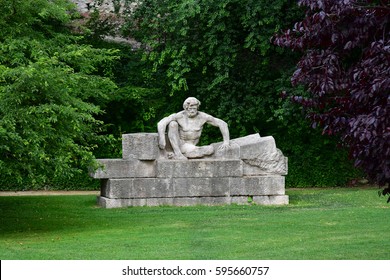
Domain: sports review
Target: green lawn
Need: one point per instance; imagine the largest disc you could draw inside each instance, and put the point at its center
(318, 224)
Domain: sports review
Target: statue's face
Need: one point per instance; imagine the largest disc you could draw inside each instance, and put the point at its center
(192, 110)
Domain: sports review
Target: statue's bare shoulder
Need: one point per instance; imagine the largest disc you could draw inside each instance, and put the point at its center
(210, 119)
(173, 117)
(179, 115)
(204, 116)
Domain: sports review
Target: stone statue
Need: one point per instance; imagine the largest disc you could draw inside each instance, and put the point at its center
(248, 169)
(184, 131)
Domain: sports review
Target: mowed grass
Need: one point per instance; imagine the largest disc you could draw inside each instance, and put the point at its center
(317, 224)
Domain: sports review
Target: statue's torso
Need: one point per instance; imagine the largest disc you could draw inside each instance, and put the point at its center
(190, 129)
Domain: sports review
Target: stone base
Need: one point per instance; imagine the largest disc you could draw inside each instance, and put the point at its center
(192, 201)
(131, 188)
(251, 171)
(124, 192)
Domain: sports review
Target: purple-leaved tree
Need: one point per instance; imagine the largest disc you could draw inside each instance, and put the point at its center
(345, 68)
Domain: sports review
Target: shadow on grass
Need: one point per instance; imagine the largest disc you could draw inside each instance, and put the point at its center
(41, 214)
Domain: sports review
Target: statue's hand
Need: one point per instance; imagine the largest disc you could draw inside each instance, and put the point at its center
(224, 146)
(161, 143)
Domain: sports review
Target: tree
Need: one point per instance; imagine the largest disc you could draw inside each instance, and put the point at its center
(345, 68)
(49, 81)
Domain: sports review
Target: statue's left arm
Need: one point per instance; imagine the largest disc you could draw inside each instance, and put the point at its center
(223, 127)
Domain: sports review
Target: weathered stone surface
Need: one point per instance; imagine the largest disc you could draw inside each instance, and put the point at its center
(240, 200)
(252, 170)
(271, 200)
(233, 152)
(112, 203)
(260, 155)
(192, 201)
(192, 187)
(137, 188)
(118, 168)
(116, 188)
(154, 201)
(199, 168)
(244, 147)
(271, 162)
(142, 146)
(177, 201)
(201, 187)
(116, 203)
(257, 185)
(249, 172)
(253, 145)
(261, 200)
(152, 188)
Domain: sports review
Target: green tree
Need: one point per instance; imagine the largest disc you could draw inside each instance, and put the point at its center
(49, 82)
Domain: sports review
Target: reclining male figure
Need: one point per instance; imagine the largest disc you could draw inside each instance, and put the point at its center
(185, 129)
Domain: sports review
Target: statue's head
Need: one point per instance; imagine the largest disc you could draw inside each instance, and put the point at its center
(191, 106)
(191, 101)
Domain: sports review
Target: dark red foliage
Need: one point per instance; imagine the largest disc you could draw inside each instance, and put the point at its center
(345, 67)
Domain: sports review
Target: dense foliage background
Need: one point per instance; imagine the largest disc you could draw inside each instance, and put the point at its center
(49, 82)
(67, 93)
(220, 51)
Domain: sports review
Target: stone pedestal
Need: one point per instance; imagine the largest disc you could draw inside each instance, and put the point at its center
(251, 171)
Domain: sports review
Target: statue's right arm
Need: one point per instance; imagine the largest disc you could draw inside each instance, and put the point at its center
(161, 128)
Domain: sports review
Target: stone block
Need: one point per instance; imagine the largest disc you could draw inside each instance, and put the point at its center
(147, 201)
(177, 201)
(142, 146)
(136, 202)
(119, 168)
(267, 163)
(259, 154)
(246, 147)
(253, 170)
(254, 146)
(116, 188)
(200, 187)
(152, 188)
(137, 188)
(240, 200)
(271, 200)
(199, 168)
(192, 201)
(279, 199)
(257, 185)
(105, 202)
(159, 201)
(233, 152)
(246, 140)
